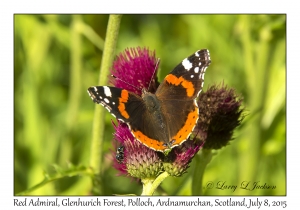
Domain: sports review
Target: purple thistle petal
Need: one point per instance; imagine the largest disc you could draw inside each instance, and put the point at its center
(135, 66)
(122, 133)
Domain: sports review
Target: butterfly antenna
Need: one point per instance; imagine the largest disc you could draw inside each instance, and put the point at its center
(154, 73)
(125, 82)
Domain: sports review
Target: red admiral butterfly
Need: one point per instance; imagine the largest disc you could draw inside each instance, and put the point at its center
(167, 118)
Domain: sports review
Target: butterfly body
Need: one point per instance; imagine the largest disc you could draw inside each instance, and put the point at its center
(165, 119)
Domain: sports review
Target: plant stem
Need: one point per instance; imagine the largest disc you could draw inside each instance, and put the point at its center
(201, 162)
(75, 80)
(99, 116)
(255, 67)
(150, 185)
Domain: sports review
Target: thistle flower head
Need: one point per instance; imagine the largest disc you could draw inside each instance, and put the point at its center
(177, 161)
(220, 113)
(136, 66)
(138, 160)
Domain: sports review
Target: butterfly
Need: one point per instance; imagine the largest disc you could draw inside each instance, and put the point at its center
(165, 119)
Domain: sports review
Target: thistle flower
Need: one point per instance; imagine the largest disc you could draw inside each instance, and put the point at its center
(136, 66)
(220, 113)
(138, 161)
(177, 161)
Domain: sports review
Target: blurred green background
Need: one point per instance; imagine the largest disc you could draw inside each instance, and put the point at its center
(57, 57)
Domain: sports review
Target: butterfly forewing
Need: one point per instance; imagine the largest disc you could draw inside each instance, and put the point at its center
(186, 80)
(119, 102)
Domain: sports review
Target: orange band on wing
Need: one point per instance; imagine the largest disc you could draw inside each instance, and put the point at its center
(152, 143)
(172, 79)
(188, 127)
(122, 100)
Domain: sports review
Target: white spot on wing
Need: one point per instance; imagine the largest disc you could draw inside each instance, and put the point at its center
(106, 100)
(192, 76)
(197, 54)
(196, 70)
(107, 91)
(187, 64)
